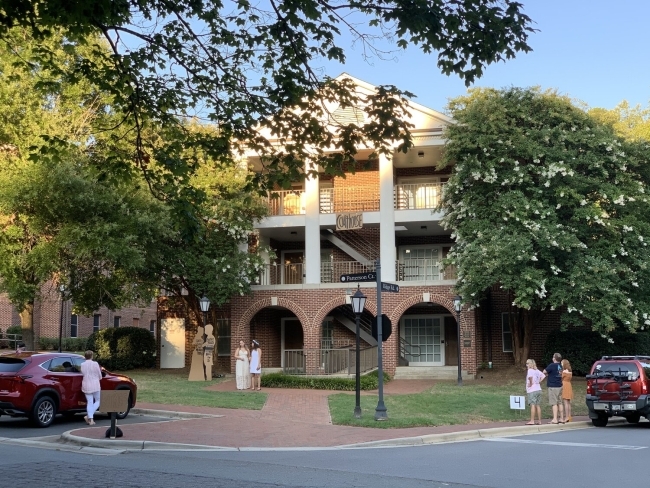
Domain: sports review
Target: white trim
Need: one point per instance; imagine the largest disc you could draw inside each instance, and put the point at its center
(441, 344)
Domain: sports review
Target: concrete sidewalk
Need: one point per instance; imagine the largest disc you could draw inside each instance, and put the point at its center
(289, 419)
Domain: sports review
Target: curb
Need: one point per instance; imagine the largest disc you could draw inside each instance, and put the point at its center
(470, 435)
(58, 446)
(126, 445)
(169, 414)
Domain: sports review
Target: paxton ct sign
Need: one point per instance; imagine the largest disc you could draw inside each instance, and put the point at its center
(349, 221)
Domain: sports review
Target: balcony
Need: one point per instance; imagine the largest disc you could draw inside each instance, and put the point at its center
(416, 196)
(331, 271)
(349, 199)
(286, 202)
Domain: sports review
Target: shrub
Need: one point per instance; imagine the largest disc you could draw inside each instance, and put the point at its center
(14, 329)
(583, 347)
(70, 344)
(281, 380)
(123, 348)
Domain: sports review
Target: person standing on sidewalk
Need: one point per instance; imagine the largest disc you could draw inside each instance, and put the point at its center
(90, 386)
(534, 391)
(553, 373)
(567, 389)
(256, 365)
(242, 370)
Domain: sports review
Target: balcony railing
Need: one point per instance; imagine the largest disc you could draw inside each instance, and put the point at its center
(417, 195)
(421, 269)
(317, 362)
(281, 274)
(349, 199)
(286, 202)
(331, 271)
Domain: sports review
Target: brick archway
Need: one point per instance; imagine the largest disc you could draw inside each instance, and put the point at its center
(370, 306)
(244, 321)
(404, 305)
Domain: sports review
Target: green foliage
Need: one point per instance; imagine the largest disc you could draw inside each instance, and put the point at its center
(122, 348)
(14, 329)
(583, 347)
(71, 344)
(246, 67)
(550, 205)
(632, 123)
(281, 380)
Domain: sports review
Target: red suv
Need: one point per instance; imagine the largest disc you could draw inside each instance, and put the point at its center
(40, 385)
(618, 386)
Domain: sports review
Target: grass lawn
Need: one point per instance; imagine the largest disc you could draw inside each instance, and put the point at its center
(447, 404)
(172, 388)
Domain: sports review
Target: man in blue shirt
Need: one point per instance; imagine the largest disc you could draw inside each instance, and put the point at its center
(553, 373)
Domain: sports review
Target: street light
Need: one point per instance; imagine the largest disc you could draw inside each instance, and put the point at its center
(204, 303)
(62, 290)
(458, 304)
(358, 301)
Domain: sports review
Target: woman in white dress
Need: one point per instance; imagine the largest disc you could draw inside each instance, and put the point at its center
(256, 365)
(242, 371)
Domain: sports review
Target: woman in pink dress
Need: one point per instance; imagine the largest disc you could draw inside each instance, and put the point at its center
(90, 386)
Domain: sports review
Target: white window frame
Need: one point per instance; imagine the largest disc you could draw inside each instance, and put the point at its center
(74, 325)
(117, 321)
(401, 252)
(506, 323)
(97, 319)
(152, 327)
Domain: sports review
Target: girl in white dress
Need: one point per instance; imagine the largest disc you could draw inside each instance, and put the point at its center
(256, 365)
(242, 370)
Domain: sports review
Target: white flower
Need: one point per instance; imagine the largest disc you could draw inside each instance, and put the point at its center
(610, 340)
(534, 258)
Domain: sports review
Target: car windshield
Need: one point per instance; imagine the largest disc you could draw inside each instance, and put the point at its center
(11, 365)
(620, 368)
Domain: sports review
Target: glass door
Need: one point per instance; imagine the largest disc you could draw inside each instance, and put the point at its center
(292, 269)
(424, 335)
(420, 263)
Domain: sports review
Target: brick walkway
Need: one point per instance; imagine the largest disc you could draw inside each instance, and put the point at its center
(290, 418)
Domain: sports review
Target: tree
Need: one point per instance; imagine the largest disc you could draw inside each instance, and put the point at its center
(252, 70)
(552, 207)
(632, 123)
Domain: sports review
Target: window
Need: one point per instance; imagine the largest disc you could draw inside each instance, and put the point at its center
(152, 327)
(74, 325)
(506, 333)
(327, 334)
(62, 365)
(116, 321)
(223, 337)
(136, 322)
(96, 320)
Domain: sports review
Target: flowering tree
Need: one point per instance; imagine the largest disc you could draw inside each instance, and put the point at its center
(550, 206)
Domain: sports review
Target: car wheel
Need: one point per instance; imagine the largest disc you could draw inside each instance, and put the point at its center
(44, 411)
(123, 415)
(601, 421)
(633, 419)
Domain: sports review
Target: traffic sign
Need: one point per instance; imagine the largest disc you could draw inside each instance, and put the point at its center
(368, 276)
(392, 287)
(386, 327)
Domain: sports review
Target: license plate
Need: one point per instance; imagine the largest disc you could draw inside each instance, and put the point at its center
(616, 407)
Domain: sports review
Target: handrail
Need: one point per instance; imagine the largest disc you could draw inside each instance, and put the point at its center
(326, 362)
(358, 242)
(364, 198)
(417, 195)
(423, 269)
(403, 344)
(286, 202)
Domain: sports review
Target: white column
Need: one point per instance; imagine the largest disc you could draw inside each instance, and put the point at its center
(312, 230)
(387, 251)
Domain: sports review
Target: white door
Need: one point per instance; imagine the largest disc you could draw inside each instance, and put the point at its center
(172, 343)
(425, 335)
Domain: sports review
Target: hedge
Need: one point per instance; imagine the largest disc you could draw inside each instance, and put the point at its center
(122, 348)
(583, 347)
(75, 344)
(281, 380)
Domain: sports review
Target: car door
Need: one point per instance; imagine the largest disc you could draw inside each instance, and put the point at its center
(62, 372)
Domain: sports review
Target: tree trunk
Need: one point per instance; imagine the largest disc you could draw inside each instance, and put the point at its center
(27, 325)
(522, 334)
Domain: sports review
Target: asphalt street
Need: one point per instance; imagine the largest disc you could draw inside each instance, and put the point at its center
(613, 456)
(22, 428)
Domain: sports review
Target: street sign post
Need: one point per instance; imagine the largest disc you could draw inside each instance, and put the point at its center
(359, 277)
(391, 287)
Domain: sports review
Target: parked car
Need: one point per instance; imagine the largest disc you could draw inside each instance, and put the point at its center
(40, 385)
(618, 386)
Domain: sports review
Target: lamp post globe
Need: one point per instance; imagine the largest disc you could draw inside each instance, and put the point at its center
(458, 305)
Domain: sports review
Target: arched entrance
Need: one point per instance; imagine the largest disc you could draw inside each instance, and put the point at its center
(428, 336)
(281, 336)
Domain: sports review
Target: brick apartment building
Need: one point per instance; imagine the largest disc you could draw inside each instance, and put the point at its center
(299, 309)
(51, 315)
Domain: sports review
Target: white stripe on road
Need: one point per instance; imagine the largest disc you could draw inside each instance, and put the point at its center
(567, 444)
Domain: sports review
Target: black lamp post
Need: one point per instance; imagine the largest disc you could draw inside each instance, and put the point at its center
(204, 303)
(458, 305)
(62, 290)
(358, 303)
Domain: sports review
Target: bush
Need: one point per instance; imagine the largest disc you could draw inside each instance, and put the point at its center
(70, 344)
(4, 340)
(281, 380)
(583, 347)
(123, 348)
(14, 329)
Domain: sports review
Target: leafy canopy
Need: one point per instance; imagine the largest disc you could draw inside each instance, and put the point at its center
(549, 204)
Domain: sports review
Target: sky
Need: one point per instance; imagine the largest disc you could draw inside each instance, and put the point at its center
(594, 51)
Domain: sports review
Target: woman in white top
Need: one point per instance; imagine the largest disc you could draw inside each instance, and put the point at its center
(90, 385)
(243, 374)
(256, 365)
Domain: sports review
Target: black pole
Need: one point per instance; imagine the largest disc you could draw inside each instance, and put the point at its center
(357, 407)
(380, 411)
(61, 322)
(205, 321)
(460, 375)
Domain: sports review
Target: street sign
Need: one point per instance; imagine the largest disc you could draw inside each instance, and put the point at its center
(368, 276)
(391, 287)
(386, 327)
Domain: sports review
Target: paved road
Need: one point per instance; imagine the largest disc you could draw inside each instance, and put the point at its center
(614, 456)
(22, 428)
